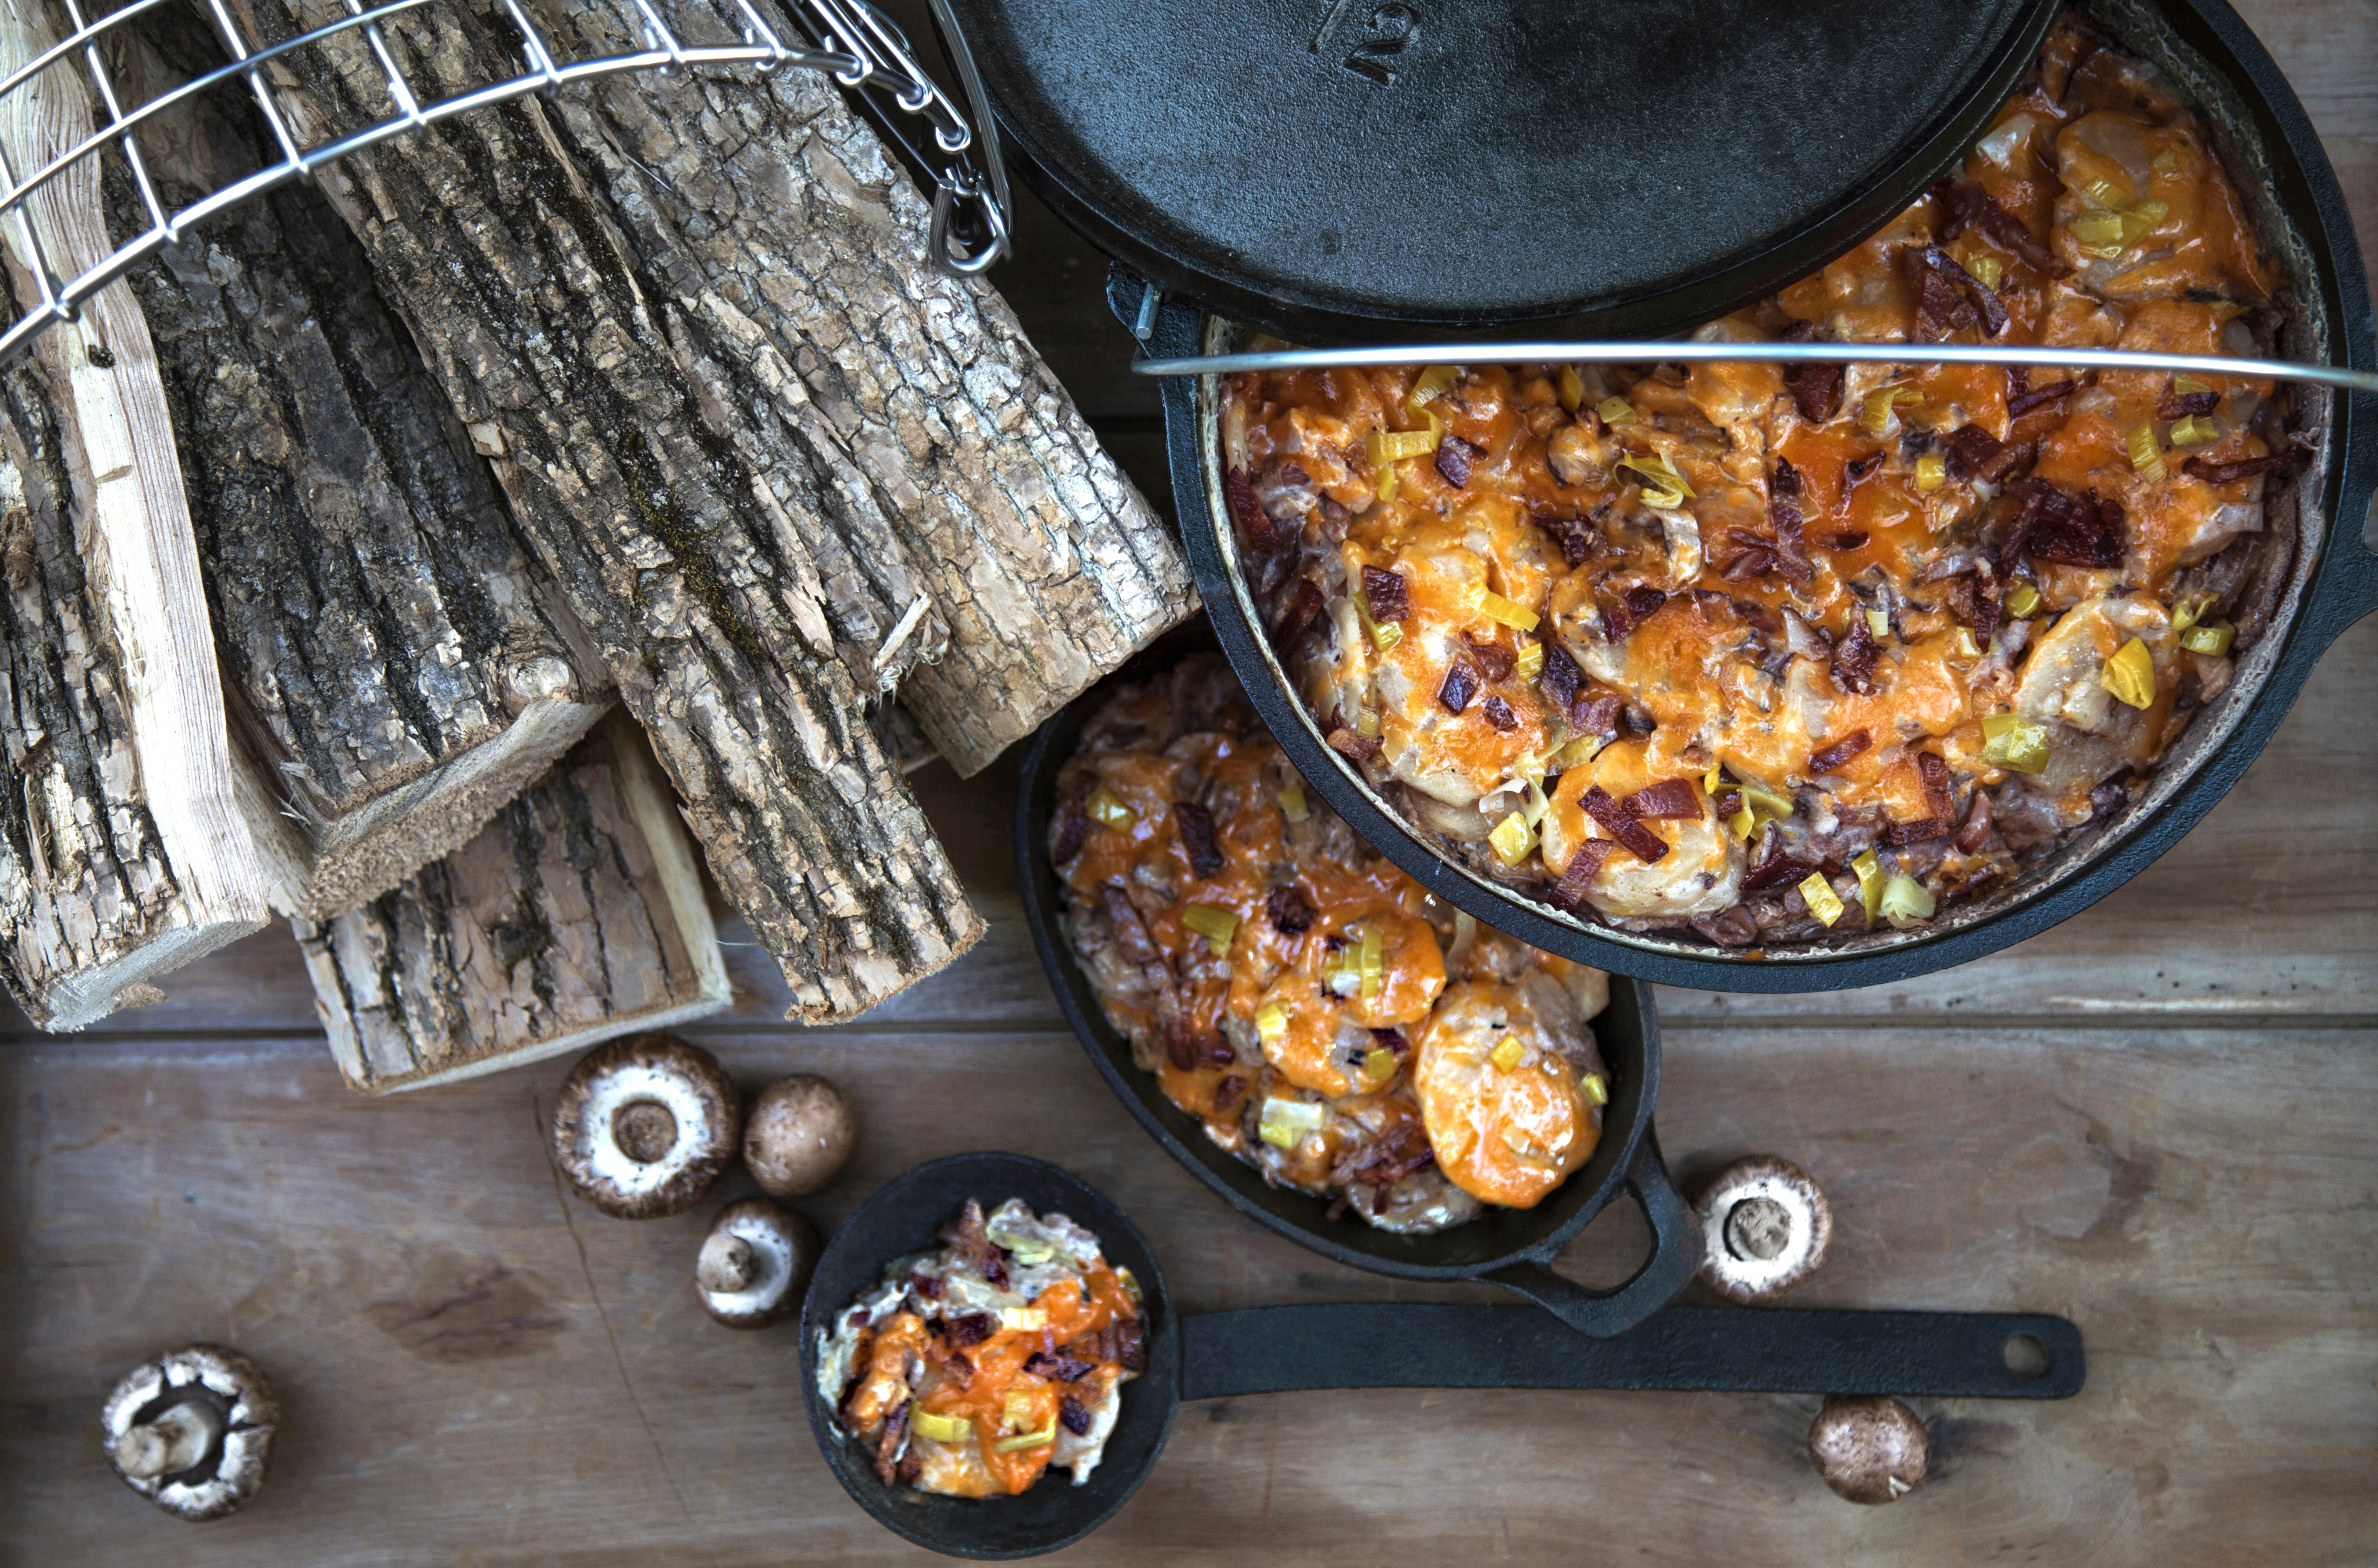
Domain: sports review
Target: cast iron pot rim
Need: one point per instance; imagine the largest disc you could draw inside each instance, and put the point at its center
(1222, 1174)
(1161, 1380)
(2333, 585)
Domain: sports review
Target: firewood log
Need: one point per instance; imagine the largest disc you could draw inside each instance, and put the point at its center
(397, 666)
(687, 527)
(125, 852)
(576, 915)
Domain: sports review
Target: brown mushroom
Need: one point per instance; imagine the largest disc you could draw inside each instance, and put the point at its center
(798, 1136)
(1870, 1448)
(753, 1264)
(644, 1125)
(1768, 1226)
(191, 1429)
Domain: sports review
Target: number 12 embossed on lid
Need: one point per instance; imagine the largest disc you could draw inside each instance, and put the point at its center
(1336, 168)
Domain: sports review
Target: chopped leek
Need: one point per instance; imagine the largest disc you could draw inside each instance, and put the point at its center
(1291, 803)
(1366, 723)
(1385, 635)
(2107, 194)
(1538, 805)
(1531, 662)
(1507, 1053)
(2191, 431)
(1271, 1023)
(1024, 1320)
(2130, 675)
(942, 1428)
(1868, 867)
(1431, 386)
(1393, 446)
(1905, 901)
(2165, 161)
(1494, 607)
(1386, 486)
(2146, 456)
(1023, 1440)
(2186, 612)
(2023, 601)
(1107, 810)
(1373, 967)
(2213, 638)
(1594, 1087)
(1343, 972)
(1966, 647)
(2098, 226)
(1512, 839)
(1879, 404)
(1878, 623)
(1581, 750)
(1378, 1064)
(1027, 1250)
(2142, 220)
(1616, 411)
(2012, 741)
(1757, 797)
(1987, 270)
(1284, 1123)
(1818, 894)
(1217, 925)
(1932, 472)
(1659, 475)
(2188, 386)
(1572, 388)
(1712, 779)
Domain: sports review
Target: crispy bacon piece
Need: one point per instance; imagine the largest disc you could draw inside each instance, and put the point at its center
(1933, 769)
(1304, 607)
(1493, 661)
(1968, 204)
(1256, 531)
(1453, 458)
(1949, 298)
(1854, 657)
(1361, 748)
(928, 1285)
(1977, 823)
(1982, 454)
(1392, 1040)
(2187, 405)
(1074, 818)
(1499, 714)
(1561, 677)
(1825, 760)
(1783, 516)
(2023, 402)
(1620, 825)
(1616, 621)
(1575, 535)
(1597, 714)
(1058, 1366)
(1196, 828)
(1848, 539)
(2078, 530)
(1578, 874)
(1974, 597)
(888, 1447)
(1726, 802)
(1290, 911)
(1668, 797)
(1901, 834)
(1131, 1346)
(968, 1328)
(1179, 1043)
(1389, 594)
(1643, 602)
(1460, 686)
(1774, 871)
(1227, 1093)
(1072, 1415)
(2289, 461)
(1131, 936)
(1816, 388)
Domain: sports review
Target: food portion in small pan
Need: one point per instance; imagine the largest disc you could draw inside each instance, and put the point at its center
(971, 1371)
(1774, 656)
(1328, 1020)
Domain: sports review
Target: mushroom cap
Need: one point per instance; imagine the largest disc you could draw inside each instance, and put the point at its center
(1870, 1448)
(797, 1135)
(644, 1125)
(1768, 1227)
(201, 1399)
(754, 1262)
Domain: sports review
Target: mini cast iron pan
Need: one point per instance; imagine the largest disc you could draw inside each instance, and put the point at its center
(1513, 1248)
(1371, 1344)
(2280, 168)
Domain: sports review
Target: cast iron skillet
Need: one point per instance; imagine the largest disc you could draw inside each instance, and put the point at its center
(1368, 1345)
(1511, 1248)
(2215, 61)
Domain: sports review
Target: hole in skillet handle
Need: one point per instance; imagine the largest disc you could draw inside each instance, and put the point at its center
(905, 1216)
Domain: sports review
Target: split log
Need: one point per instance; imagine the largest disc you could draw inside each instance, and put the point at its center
(396, 665)
(673, 512)
(125, 852)
(575, 915)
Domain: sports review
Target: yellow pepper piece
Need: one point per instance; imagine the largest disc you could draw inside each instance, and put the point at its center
(2130, 675)
(2012, 741)
(1393, 446)
(1818, 894)
(942, 1428)
(1023, 1440)
(1271, 1023)
(1284, 1123)
(2146, 456)
(1531, 662)
(1572, 388)
(1594, 1088)
(1757, 797)
(1107, 810)
(1494, 607)
(1868, 867)
(1744, 822)
(2190, 385)
(1293, 804)
(1217, 925)
(1507, 1055)
(1512, 839)
(1932, 472)
(2213, 638)
(2023, 601)
(1387, 484)
(1616, 411)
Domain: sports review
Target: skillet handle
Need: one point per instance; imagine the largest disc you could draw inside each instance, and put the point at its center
(1675, 1253)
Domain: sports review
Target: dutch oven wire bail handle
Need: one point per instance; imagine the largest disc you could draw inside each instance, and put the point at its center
(1675, 1253)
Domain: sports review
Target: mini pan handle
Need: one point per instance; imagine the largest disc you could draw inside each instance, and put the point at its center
(1675, 1253)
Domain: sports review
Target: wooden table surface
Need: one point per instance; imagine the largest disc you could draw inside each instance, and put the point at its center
(2155, 1119)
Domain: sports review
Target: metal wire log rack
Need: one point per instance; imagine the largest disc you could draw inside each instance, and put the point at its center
(852, 40)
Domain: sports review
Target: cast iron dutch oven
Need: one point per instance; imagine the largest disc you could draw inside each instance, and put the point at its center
(2277, 161)
(1511, 1248)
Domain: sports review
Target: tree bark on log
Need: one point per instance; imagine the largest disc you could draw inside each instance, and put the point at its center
(576, 915)
(397, 666)
(125, 852)
(670, 513)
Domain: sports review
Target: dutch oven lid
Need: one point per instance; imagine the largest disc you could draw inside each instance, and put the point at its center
(1344, 169)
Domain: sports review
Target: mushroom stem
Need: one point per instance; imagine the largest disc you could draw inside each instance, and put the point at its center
(176, 1440)
(1758, 1228)
(727, 1265)
(644, 1130)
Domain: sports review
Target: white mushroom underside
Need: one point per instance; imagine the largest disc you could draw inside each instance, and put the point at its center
(1756, 1272)
(245, 1445)
(623, 1086)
